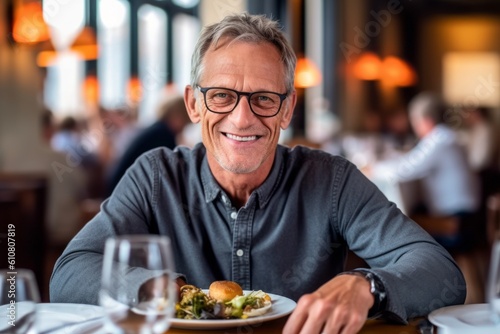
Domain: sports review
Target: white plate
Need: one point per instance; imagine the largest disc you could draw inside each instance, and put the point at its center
(281, 306)
(57, 314)
(470, 318)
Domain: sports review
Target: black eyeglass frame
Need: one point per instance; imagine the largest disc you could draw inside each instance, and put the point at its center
(239, 94)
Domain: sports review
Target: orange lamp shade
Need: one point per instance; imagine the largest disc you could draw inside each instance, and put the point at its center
(368, 67)
(306, 74)
(397, 72)
(91, 90)
(135, 90)
(46, 54)
(29, 26)
(86, 44)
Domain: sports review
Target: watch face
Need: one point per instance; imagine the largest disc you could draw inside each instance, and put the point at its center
(376, 286)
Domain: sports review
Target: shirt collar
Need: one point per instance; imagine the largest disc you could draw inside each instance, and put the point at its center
(210, 186)
(266, 189)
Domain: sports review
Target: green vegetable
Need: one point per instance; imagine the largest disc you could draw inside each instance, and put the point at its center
(195, 304)
(238, 304)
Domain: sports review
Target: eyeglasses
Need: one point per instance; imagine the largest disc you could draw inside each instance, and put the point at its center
(224, 100)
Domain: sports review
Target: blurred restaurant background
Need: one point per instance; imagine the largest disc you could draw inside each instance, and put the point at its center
(80, 79)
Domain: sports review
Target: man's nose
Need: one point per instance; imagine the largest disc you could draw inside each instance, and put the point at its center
(242, 113)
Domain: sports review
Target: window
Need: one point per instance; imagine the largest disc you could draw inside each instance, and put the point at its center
(166, 35)
(62, 91)
(186, 30)
(114, 52)
(152, 59)
(166, 40)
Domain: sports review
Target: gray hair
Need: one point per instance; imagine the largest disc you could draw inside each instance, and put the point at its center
(428, 105)
(248, 28)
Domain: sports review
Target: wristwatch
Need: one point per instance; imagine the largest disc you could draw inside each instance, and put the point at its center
(377, 289)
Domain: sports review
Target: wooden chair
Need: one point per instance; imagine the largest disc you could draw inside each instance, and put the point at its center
(472, 261)
(444, 226)
(23, 200)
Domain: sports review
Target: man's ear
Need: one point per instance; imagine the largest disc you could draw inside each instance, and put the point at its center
(190, 101)
(288, 106)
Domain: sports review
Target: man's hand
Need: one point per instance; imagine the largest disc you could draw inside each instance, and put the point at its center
(339, 306)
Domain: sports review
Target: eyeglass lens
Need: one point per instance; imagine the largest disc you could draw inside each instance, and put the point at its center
(224, 100)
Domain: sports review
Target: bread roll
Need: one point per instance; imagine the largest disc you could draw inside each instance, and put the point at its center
(224, 291)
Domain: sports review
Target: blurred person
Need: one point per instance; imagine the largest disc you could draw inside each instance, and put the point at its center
(119, 129)
(241, 207)
(165, 132)
(70, 138)
(371, 122)
(67, 137)
(365, 146)
(481, 143)
(67, 185)
(47, 126)
(480, 139)
(439, 162)
(398, 132)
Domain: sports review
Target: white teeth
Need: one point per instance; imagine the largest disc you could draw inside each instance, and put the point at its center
(238, 138)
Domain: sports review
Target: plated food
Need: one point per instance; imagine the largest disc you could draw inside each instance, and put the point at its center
(223, 300)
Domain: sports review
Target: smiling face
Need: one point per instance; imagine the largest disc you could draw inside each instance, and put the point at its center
(241, 142)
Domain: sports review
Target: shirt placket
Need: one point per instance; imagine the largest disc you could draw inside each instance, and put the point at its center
(242, 237)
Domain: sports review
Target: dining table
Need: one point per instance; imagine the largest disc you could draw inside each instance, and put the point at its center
(372, 326)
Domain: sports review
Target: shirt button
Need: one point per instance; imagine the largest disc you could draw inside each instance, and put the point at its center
(234, 214)
(239, 252)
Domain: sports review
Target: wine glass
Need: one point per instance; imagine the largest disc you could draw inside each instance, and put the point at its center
(18, 298)
(138, 291)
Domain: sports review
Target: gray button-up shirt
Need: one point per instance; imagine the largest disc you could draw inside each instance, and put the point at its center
(290, 237)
